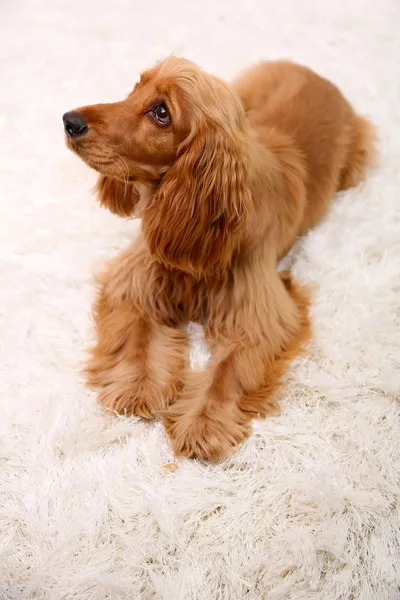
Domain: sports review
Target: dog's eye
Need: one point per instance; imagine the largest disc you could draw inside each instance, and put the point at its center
(161, 114)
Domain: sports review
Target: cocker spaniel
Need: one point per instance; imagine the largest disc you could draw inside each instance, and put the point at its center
(224, 178)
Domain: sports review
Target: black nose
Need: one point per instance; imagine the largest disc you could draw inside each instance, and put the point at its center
(74, 124)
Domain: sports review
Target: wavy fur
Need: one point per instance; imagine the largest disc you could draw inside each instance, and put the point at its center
(224, 189)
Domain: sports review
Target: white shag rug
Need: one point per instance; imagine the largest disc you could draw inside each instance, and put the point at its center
(308, 509)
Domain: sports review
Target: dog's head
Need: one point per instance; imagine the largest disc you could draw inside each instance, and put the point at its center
(182, 133)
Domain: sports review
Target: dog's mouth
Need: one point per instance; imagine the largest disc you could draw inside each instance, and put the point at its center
(84, 141)
(99, 160)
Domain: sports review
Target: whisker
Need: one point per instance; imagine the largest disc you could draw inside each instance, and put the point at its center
(126, 177)
(115, 162)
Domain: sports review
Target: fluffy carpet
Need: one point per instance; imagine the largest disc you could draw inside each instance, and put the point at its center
(309, 506)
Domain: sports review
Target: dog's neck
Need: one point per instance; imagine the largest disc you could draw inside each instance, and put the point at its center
(145, 190)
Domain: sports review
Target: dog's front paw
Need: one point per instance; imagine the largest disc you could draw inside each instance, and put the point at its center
(210, 434)
(141, 398)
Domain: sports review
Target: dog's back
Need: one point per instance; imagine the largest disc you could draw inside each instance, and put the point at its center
(335, 144)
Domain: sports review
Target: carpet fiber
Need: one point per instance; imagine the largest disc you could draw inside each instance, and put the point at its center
(309, 507)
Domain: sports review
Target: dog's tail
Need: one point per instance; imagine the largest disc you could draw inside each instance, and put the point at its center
(362, 152)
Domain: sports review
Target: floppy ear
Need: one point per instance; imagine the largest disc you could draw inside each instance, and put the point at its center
(119, 197)
(195, 217)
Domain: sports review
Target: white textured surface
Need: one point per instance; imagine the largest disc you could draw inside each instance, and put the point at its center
(309, 507)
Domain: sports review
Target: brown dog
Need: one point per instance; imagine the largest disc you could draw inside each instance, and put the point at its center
(225, 178)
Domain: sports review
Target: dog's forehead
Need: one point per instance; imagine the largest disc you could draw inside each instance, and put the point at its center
(153, 83)
(169, 74)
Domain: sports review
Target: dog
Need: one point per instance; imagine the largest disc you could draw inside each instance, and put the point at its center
(225, 178)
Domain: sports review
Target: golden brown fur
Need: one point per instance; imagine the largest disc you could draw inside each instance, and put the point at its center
(223, 190)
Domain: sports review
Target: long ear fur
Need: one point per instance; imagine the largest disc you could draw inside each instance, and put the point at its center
(195, 217)
(118, 197)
